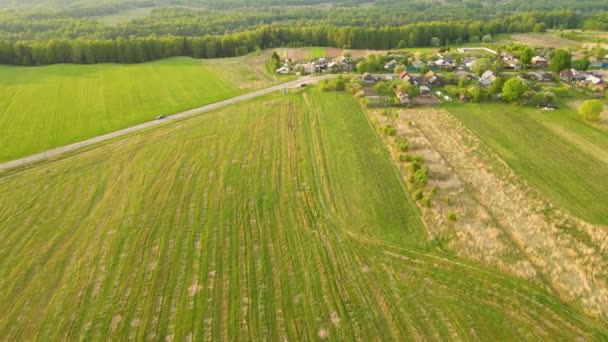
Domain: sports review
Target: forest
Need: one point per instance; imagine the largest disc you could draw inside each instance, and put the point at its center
(71, 33)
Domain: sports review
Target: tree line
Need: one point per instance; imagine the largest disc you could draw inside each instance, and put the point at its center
(136, 49)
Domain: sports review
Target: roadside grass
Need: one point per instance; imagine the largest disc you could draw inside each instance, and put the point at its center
(566, 158)
(52, 106)
(282, 218)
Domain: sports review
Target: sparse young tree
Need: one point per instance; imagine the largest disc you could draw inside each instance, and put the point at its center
(561, 60)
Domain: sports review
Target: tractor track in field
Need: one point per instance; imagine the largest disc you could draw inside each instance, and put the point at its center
(177, 116)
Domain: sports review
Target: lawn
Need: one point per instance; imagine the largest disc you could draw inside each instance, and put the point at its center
(566, 158)
(52, 106)
(282, 218)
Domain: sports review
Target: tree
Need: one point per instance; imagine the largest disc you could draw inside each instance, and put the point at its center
(581, 64)
(399, 69)
(474, 92)
(525, 56)
(382, 88)
(487, 38)
(561, 60)
(590, 110)
(274, 63)
(513, 90)
(435, 41)
(401, 44)
(496, 87)
(481, 65)
(540, 27)
(340, 83)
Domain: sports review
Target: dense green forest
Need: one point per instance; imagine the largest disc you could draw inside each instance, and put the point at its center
(38, 32)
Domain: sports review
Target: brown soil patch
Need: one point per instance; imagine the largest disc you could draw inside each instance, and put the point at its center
(335, 319)
(193, 289)
(323, 334)
(115, 322)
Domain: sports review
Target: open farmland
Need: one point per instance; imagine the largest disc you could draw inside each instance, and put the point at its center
(564, 157)
(51, 106)
(282, 218)
(549, 39)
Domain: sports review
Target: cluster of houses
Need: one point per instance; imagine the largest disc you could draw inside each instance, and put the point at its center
(443, 62)
(314, 66)
(594, 80)
(422, 82)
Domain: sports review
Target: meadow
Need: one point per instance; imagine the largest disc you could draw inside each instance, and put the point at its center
(564, 157)
(282, 218)
(52, 106)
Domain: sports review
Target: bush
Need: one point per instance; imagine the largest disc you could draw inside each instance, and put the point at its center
(452, 216)
(390, 130)
(403, 146)
(426, 202)
(418, 195)
(590, 110)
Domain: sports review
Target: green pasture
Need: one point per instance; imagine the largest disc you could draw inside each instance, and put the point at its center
(51, 106)
(559, 153)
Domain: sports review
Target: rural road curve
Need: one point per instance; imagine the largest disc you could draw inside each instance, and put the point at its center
(191, 112)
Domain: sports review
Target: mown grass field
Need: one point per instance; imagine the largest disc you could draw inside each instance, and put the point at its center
(279, 219)
(51, 106)
(566, 158)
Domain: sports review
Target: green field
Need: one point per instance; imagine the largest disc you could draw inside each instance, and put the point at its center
(566, 158)
(51, 106)
(124, 15)
(314, 52)
(278, 219)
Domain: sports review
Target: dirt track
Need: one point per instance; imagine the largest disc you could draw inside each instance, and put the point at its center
(191, 112)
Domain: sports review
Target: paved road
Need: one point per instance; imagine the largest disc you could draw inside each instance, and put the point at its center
(191, 112)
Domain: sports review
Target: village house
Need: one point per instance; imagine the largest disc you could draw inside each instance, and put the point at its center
(418, 64)
(487, 78)
(368, 78)
(476, 49)
(283, 70)
(539, 61)
(405, 77)
(594, 82)
(430, 78)
(307, 68)
(510, 61)
(443, 63)
(571, 75)
(541, 76)
(391, 65)
(467, 62)
(425, 90)
(404, 98)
